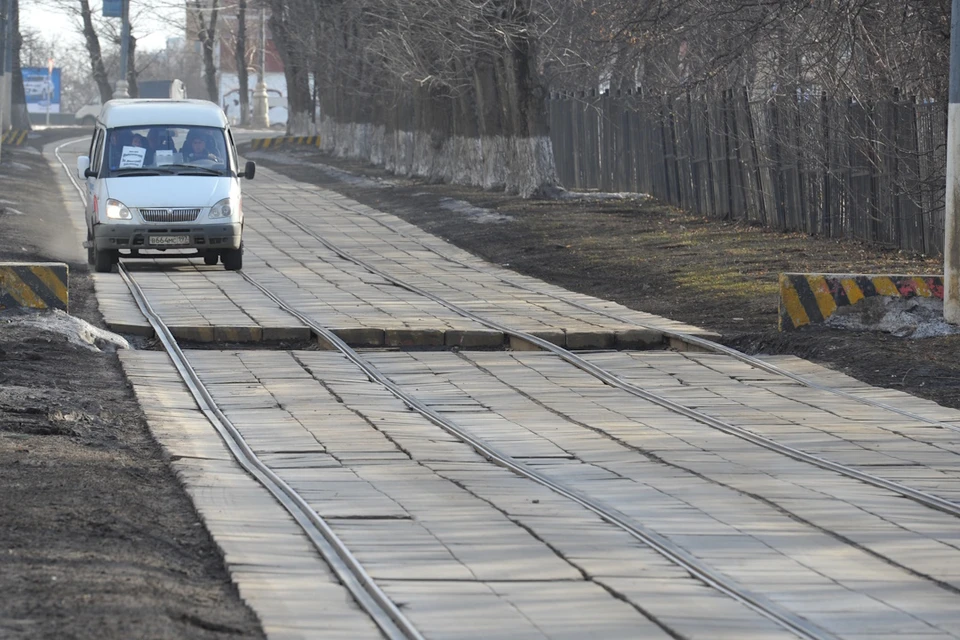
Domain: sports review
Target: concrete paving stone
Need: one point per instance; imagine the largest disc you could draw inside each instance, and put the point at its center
(237, 334)
(361, 336)
(582, 339)
(193, 333)
(473, 338)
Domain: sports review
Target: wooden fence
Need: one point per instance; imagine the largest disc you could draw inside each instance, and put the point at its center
(873, 172)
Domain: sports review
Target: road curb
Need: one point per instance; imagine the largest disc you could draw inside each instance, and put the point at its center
(34, 285)
(807, 298)
(15, 137)
(266, 143)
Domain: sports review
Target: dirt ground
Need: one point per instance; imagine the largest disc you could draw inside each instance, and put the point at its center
(98, 540)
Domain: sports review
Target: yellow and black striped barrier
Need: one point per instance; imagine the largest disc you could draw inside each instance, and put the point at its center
(36, 285)
(269, 143)
(14, 137)
(806, 298)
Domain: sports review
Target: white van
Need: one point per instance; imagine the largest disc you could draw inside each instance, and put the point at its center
(163, 175)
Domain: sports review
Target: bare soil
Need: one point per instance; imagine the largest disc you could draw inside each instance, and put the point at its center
(98, 539)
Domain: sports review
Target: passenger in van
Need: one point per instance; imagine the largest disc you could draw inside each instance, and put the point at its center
(158, 139)
(118, 140)
(196, 149)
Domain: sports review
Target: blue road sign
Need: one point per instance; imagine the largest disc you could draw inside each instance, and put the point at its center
(42, 89)
(112, 8)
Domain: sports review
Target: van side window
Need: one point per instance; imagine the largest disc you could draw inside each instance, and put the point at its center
(235, 159)
(93, 142)
(97, 152)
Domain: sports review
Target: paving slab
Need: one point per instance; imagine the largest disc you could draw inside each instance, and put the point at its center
(208, 304)
(444, 532)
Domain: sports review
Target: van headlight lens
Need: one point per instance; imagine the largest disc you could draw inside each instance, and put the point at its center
(116, 210)
(225, 208)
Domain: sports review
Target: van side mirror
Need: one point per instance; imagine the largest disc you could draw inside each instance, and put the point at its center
(250, 170)
(83, 166)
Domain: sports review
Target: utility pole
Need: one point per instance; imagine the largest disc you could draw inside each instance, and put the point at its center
(3, 67)
(121, 90)
(6, 90)
(951, 237)
(261, 106)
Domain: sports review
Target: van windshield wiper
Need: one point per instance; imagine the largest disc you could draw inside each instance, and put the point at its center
(140, 171)
(192, 169)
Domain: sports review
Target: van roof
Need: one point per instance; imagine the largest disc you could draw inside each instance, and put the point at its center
(134, 112)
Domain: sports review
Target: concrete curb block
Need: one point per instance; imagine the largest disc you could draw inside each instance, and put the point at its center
(34, 285)
(15, 137)
(806, 298)
(266, 143)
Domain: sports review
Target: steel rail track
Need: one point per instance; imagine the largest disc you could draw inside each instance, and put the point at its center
(702, 343)
(662, 545)
(756, 602)
(922, 497)
(348, 569)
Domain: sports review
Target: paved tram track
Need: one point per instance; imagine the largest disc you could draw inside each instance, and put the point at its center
(600, 373)
(391, 621)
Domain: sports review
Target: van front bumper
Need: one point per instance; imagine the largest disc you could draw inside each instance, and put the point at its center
(195, 236)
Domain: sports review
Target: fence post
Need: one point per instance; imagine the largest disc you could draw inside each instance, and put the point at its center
(755, 152)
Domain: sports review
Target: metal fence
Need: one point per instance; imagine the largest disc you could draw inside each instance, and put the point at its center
(873, 172)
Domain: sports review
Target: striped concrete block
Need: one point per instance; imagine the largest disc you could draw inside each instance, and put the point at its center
(15, 137)
(268, 143)
(813, 297)
(36, 285)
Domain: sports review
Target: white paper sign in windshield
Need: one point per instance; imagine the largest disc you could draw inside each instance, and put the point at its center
(132, 157)
(162, 157)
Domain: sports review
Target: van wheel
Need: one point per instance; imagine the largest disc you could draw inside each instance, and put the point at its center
(211, 257)
(88, 121)
(104, 260)
(232, 259)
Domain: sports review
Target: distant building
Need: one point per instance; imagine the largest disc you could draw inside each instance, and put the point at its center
(225, 61)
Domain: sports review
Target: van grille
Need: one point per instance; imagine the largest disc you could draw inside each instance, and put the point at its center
(169, 215)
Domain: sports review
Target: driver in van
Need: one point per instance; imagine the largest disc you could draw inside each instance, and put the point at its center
(198, 150)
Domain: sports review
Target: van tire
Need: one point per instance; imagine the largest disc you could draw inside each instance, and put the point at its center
(232, 259)
(88, 121)
(104, 260)
(211, 257)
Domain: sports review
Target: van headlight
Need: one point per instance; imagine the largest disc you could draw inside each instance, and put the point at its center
(116, 210)
(225, 208)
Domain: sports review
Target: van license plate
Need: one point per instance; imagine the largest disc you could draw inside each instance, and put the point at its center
(169, 240)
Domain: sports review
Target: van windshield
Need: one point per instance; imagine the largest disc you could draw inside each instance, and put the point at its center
(165, 150)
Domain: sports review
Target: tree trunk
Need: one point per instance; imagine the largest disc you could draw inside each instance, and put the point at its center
(296, 69)
(241, 55)
(535, 171)
(133, 89)
(93, 49)
(208, 39)
(19, 118)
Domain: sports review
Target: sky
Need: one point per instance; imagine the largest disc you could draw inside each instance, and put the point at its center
(58, 24)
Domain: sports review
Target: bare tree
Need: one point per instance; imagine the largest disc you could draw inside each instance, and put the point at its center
(203, 22)
(241, 58)
(92, 40)
(19, 118)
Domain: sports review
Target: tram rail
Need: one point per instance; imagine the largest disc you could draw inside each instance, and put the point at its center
(922, 497)
(386, 615)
